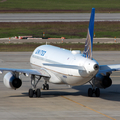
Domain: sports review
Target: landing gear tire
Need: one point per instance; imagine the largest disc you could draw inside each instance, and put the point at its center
(97, 92)
(34, 90)
(94, 91)
(31, 93)
(90, 92)
(38, 93)
(45, 86)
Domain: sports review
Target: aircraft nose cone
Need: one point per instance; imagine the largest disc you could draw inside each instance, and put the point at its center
(96, 67)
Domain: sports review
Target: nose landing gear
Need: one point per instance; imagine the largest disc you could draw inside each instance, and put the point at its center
(45, 86)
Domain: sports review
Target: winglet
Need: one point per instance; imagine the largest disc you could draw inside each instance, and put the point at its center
(89, 40)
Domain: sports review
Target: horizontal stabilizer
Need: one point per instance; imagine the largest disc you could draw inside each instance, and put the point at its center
(103, 69)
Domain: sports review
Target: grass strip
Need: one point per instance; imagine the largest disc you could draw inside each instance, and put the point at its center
(59, 29)
(59, 5)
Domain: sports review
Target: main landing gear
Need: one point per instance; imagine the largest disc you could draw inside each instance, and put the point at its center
(93, 91)
(33, 91)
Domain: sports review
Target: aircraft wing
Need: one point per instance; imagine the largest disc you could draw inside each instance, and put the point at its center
(39, 72)
(103, 69)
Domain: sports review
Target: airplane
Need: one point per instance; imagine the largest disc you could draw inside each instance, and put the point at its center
(62, 66)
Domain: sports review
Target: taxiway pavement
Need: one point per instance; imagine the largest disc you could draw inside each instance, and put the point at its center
(60, 102)
(57, 17)
(80, 40)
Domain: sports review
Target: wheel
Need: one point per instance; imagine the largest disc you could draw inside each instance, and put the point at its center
(38, 93)
(47, 86)
(90, 92)
(31, 93)
(43, 87)
(97, 92)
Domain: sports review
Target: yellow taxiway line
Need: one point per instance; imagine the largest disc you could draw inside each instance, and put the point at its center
(89, 108)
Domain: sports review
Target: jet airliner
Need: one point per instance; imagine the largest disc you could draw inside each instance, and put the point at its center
(61, 66)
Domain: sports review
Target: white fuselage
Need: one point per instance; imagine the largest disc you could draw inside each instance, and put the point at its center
(64, 66)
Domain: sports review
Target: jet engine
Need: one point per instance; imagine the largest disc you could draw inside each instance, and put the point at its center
(102, 81)
(10, 81)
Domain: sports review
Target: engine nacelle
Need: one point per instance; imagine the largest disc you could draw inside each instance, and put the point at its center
(10, 81)
(101, 81)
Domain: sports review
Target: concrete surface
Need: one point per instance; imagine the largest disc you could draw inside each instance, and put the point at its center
(80, 40)
(60, 102)
(57, 17)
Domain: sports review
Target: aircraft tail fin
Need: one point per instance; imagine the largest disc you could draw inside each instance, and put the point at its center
(89, 40)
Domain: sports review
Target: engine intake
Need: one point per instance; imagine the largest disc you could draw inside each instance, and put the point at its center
(11, 81)
(101, 81)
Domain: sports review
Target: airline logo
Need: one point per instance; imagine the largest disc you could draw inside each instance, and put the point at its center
(40, 52)
(88, 47)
